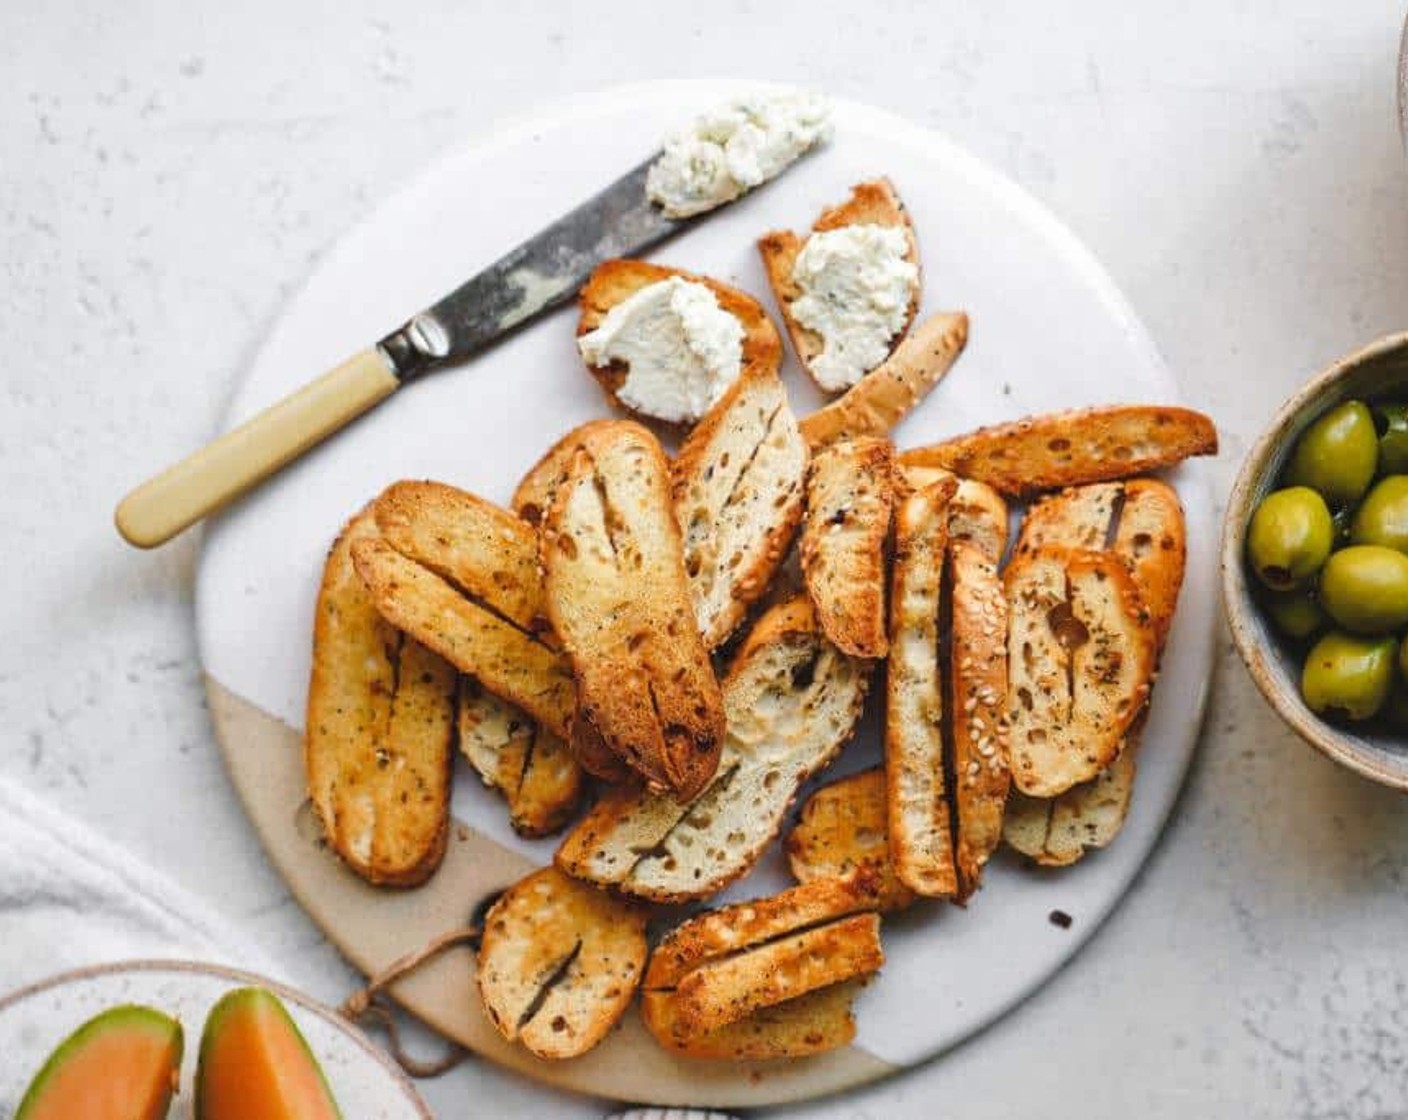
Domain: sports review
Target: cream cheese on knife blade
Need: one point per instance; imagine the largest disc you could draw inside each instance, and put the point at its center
(681, 349)
(734, 148)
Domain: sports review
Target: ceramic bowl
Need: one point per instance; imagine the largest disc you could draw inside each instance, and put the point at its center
(33, 1020)
(1378, 371)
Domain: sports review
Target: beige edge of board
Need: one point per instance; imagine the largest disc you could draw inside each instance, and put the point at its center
(374, 926)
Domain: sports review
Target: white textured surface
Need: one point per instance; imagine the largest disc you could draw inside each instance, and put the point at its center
(167, 175)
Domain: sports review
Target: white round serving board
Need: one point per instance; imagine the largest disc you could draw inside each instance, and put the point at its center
(1049, 330)
(34, 1020)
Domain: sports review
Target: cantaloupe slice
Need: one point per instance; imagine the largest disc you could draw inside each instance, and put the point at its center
(121, 1065)
(255, 1064)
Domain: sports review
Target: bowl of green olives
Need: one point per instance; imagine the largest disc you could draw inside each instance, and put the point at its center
(1315, 562)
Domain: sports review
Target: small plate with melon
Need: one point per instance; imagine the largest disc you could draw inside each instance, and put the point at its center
(153, 1039)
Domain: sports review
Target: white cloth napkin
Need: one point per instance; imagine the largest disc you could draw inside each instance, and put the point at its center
(69, 898)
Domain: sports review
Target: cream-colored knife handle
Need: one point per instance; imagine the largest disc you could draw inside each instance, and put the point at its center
(218, 473)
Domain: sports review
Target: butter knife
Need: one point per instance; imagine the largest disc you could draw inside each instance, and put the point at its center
(542, 273)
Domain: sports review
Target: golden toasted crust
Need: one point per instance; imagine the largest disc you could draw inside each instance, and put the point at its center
(734, 928)
(809, 1024)
(791, 700)
(739, 494)
(727, 989)
(748, 980)
(1072, 448)
(532, 768)
(1056, 832)
(559, 963)
(976, 513)
(593, 755)
(1148, 534)
(918, 800)
(535, 490)
(910, 477)
(380, 725)
(978, 697)
(1141, 521)
(485, 551)
(892, 390)
(606, 844)
(619, 599)
(1153, 542)
(871, 203)
(779, 249)
(842, 831)
(1077, 517)
(850, 492)
(617, 280)
(505, 659)
(1081, 652)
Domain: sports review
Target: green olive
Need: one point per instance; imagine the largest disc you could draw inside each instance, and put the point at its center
(1382, 517)
(1289, 537)
(1295, 614)
(1348, 676)
(1364, 588)
(1391, 420)
(1337, 455)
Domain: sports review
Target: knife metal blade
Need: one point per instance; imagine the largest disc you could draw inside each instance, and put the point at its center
(542, 273)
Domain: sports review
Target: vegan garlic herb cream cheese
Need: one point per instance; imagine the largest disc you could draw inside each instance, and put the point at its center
(734, 148)
(681, 348)
(857, 286)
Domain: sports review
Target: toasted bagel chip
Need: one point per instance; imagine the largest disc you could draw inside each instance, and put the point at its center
(843, 831)
(506, 659)
(719, 932)
(485, 551)
(1081, 654)
(1143, 522)
(850, 495)
(747, 980)
(534, 769)
(619, 600)
(978, 699)
(1058, 831)
(1047, 452)
(920, 813)
(1151, 538)
(739, 493)
(791, 700)
(723, 991)
(796, 1028)
(559, 963)
(380, 727)
(893, 389)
